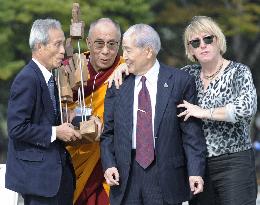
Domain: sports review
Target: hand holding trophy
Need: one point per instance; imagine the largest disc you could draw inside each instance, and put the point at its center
(72, 77)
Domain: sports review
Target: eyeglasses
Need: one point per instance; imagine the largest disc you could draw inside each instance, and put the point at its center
(111, 45)
(196, 42)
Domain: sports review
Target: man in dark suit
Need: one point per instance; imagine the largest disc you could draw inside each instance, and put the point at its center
(148, 154)
(38, 165)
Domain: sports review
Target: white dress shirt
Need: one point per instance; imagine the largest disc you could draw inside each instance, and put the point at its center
(47, 75)
(151, 84)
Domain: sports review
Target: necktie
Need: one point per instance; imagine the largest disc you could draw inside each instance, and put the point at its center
(51, 90)
(144, 129)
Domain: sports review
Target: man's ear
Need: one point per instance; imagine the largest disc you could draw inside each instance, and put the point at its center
(149, 52)
(38, 46)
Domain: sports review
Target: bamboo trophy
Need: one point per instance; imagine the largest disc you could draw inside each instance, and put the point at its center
(72, 76)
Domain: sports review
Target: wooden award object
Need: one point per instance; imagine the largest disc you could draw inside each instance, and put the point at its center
(88, 130)
(77, 75)
(65, 88)
(84, 68)
(77, 26)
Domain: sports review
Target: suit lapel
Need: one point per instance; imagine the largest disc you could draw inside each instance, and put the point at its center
(165, 85)
(127, 100)
(46, 99)
(56, 93)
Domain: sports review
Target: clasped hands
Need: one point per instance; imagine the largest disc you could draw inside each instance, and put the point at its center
(71, 114)
(66, 133)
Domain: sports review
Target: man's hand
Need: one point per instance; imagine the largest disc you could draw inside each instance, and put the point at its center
(196, 184)
(117, 75)
(66, 133)
(112, 176)
(99, 125)
(71, 67)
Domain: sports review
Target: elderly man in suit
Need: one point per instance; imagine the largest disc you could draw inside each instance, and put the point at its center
(148, 154)
(38, 165)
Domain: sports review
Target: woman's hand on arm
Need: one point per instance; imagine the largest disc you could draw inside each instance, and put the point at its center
(218, 114)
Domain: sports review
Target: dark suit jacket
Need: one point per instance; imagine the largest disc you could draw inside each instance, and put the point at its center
(179, 146)
(34, 164)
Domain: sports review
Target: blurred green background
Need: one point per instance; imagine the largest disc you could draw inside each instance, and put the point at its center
(239, 19)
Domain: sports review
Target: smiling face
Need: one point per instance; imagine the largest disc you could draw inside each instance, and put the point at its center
(206, 51)
(139, 60)
(103, 44)
(51, 54)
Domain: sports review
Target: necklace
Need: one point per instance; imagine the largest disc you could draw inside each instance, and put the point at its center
(210, 77)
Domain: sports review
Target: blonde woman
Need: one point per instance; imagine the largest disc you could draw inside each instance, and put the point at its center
(227, 101)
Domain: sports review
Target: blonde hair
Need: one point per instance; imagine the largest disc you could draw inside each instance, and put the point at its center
(200, 24)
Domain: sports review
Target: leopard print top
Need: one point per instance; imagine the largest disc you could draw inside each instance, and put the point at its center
(233, 86)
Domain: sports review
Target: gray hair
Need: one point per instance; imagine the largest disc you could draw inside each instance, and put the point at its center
(40, 31)
(145, 35)
(104, 20)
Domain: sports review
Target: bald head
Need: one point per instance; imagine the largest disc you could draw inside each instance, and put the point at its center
(104, 23)
(103, 42)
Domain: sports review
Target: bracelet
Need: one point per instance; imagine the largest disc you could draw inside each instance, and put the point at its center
(211, 110)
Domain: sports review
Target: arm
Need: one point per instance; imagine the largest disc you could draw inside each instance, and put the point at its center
(243, 107)
(193, 142)
(107, 140)
(117, 75)
(21, 108)
(219, 114)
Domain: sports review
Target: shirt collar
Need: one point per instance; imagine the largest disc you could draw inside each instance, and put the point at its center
(46, 73)
(151, 75)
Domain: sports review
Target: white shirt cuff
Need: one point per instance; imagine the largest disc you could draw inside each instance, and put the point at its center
(53, 135)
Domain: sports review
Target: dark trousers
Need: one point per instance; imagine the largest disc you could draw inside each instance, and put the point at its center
(230, 180)
(143, 186)
(64, 195)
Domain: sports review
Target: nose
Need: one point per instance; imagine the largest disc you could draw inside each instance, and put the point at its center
(105, 50)
(62, 49)
(202, 43)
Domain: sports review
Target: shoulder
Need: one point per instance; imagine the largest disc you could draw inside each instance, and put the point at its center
(26, 75)
(193, 69)
(178, 73)
(239, 70)
(239, 67)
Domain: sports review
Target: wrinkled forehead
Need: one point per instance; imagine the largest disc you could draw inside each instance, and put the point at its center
(105, 31)
(55, 35)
